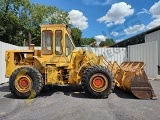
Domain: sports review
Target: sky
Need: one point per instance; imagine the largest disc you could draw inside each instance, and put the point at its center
(113, 19)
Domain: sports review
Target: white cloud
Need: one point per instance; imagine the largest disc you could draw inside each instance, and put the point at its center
(134, 29)
(97, 2)
(144, 11)
(100, 38)
(110, 24)
(77, 19)
(153, 24)
(155, 10)
(117, 13)
(114, 33)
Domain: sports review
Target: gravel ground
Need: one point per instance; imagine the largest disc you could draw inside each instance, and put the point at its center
(67, 103)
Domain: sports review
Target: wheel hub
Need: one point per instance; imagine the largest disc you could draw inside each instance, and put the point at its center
(23, 84)
(98, 82)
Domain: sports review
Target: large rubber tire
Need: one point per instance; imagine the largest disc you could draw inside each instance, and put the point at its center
(36, 82)
(102, 73)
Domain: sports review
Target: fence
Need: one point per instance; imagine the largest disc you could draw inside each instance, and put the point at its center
(147, 52)
(111, 54)
(3, 48)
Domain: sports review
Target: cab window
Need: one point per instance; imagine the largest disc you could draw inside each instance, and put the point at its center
(69, 45)
(58, 40)
(47, 42)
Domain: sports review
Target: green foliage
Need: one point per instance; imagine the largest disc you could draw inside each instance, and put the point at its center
(107, 42)
(2, 31)
(87, 41)
(76, 34)
(18, 17)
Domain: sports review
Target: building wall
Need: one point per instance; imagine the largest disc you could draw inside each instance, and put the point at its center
(148, 53)
(155, 36)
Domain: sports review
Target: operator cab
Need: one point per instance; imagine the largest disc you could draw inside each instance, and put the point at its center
(56, 40)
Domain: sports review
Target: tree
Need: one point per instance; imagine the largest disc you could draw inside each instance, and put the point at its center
(56, 16)
(2, 31)
(76, 36)
(107, 42)
(45, 15)
(87, 41)
(10, 21)
(20, 17)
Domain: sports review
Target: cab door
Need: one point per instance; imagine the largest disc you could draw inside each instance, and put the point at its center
(60, 48)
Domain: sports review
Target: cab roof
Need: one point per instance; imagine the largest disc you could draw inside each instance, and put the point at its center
(52, 25)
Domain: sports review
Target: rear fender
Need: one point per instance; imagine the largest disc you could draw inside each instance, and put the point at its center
(38, 63)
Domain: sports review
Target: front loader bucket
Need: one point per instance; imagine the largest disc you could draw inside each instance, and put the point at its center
(131, 77)
(141, 88)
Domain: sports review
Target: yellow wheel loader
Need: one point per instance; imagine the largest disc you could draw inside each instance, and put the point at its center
(59, 63)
